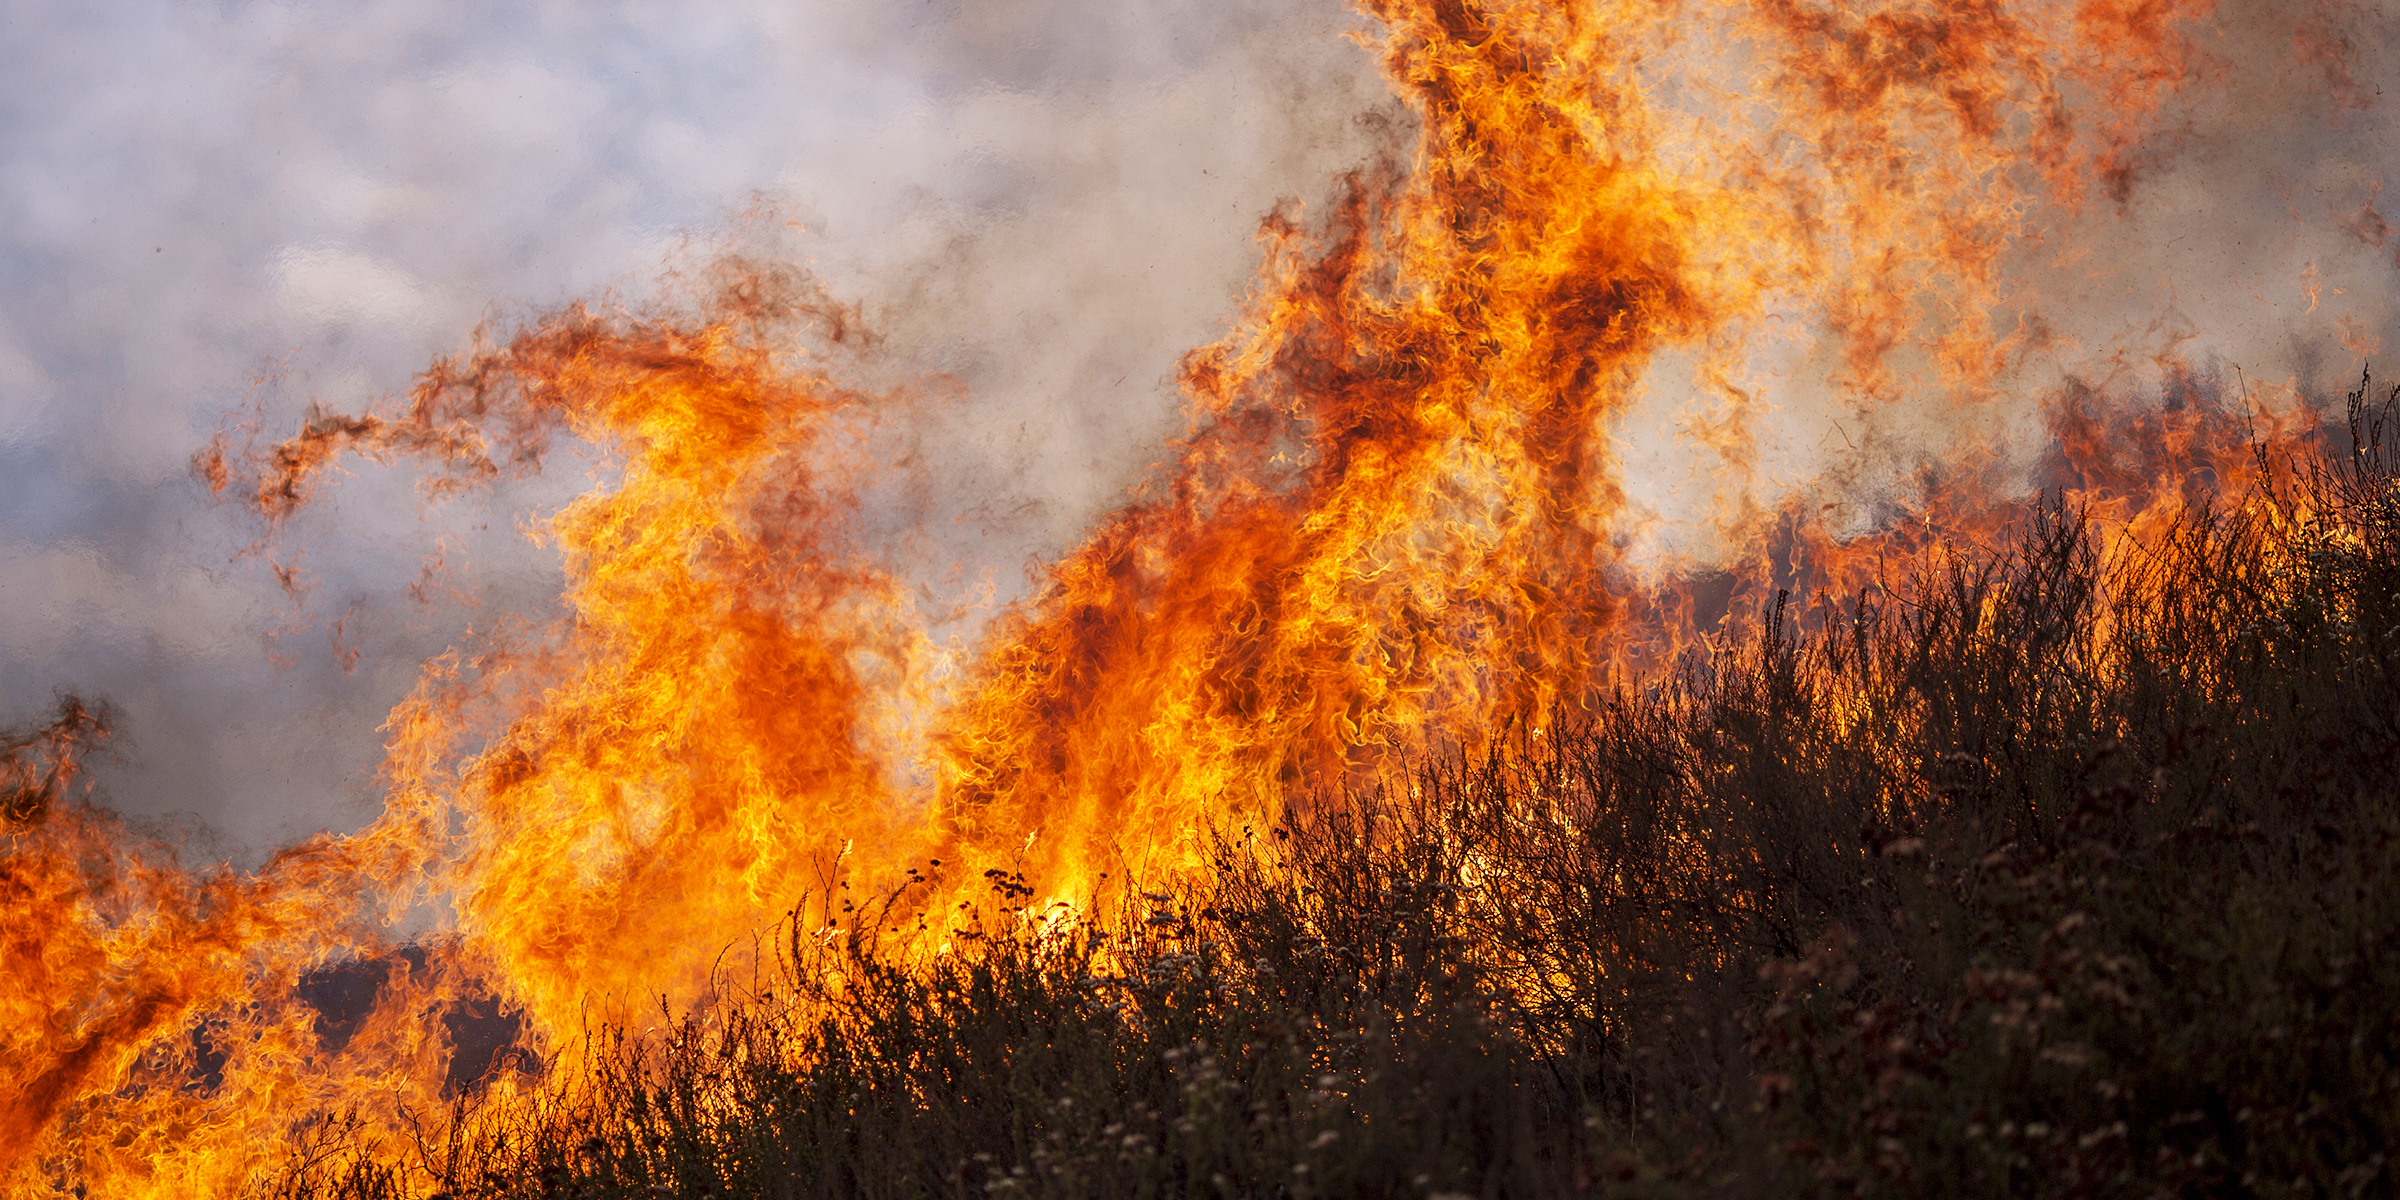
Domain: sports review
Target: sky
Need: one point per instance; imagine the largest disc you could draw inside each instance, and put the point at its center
(221, 212)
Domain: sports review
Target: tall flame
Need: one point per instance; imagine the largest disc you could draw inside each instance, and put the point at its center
(1398, 521)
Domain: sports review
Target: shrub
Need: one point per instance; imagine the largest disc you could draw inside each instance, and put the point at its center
(2063, 870)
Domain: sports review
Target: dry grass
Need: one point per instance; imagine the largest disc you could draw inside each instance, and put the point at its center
(2042, 875)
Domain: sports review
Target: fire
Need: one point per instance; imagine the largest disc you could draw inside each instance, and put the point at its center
(1397, 523)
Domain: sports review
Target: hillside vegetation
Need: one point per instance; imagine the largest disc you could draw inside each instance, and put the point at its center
(2043, 872)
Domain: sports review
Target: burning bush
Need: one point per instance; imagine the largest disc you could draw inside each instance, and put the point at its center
(1353, 811)
(2048, 872)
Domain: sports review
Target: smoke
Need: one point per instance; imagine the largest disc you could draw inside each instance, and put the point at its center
(247, 207)
(2239, 259)
(218, 210)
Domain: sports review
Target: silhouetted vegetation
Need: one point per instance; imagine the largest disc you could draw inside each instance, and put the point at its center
(2038, 874)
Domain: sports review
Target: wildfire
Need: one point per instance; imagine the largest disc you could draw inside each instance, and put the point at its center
(1398, 521)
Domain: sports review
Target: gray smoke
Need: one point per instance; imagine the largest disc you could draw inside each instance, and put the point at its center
(2243, 262)
(211, 209)
(207, 210)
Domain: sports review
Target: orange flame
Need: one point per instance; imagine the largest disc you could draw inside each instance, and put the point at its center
(1397, 522)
